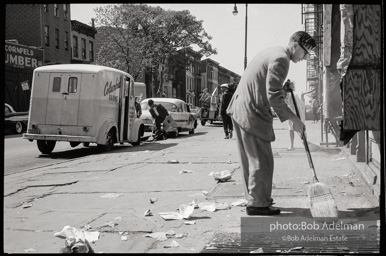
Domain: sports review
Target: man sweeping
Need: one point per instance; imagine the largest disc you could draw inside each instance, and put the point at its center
(260, 88)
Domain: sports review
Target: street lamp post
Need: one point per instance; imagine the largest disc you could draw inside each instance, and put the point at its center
(235, 12)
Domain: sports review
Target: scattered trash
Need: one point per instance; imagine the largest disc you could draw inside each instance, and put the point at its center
(170, 215)
(195, 205)
(191, 222)
(111, 195)
(123, 238)
(30, 250)
(260, 250)
(148, 213)
(108, 224)
(222, 206)
(339, 158)
(77, 241)
(240, 202)
(295, 249)
(306, 182)
(185, 211)
(186, 171)
(153, 200)
(27, 205)
(207, 206)
(182, 235)
(205, 192)
(173, 244)
(160, 236)
(223, 176)
(170, 233)
(173, 162)
(351, 184)
(229, 162)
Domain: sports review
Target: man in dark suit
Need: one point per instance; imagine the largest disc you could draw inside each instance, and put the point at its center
(159, 113)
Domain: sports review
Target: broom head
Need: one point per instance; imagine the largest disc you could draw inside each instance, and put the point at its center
(323, 205)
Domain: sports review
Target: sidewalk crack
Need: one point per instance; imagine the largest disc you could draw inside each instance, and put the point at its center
(37, 186)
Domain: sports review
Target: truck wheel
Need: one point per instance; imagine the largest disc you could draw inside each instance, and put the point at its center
(138, 142)
(46, 146)
(74, 144)
(203, 122)
(109, 143)
(86, 144)
(211, 121)
(19, 127)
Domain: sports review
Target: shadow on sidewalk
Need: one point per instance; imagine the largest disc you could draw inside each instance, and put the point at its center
(372, 213)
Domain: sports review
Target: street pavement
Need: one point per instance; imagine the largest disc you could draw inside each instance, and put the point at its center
(110, 192)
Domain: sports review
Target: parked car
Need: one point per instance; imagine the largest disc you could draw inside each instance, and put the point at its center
(178, 110)
(15, 121)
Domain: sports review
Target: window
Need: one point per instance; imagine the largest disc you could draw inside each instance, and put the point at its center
(56, 85)
(56, 38)
(65, 11)
(45, 8)
(72, 84)
(47, 35)
(75, 46)
(56, 10)
(66, 41)
(91, 54)
(83, 47)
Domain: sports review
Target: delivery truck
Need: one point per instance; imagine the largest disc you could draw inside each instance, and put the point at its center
(82, 103)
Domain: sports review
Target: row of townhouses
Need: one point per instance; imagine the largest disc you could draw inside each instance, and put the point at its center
(44, 34)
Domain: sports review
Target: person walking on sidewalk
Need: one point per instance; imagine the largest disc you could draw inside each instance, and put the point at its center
(159, 113)
(260, 88)
(226, 119)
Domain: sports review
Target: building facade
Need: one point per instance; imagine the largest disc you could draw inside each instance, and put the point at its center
(82, 42)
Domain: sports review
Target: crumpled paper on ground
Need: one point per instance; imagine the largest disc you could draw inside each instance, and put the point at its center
(77, 241)
(240, 202)
(184, 212)
(223, 176)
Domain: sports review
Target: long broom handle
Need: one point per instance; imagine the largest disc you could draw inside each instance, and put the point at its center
(304, 137)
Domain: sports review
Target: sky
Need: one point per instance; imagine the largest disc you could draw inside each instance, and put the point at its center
(267, 25)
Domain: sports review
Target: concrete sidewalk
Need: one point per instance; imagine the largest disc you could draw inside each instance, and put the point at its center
(116, 187)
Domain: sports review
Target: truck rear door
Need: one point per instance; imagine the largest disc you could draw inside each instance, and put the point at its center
(63, 98)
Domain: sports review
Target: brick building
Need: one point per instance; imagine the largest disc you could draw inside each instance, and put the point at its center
(47, 26)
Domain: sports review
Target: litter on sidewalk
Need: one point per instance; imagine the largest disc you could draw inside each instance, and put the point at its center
(153, 200)
(192, 222)
(240, 202)
(111, 195)
(186, 171)
(173, 244)
(161, 236)
(77, 241)
(27, 205)
(148, 213)
(173, 161)
(184, 212)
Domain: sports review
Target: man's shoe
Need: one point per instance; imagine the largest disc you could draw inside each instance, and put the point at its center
(262, 211)
(230, 134)
(226, 137)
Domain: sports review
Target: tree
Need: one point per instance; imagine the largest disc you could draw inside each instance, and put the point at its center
(133, 37)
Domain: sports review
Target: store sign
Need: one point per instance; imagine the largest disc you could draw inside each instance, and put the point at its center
(21, 56)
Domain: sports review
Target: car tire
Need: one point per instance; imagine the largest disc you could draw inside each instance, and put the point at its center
(19, 127)
(86, 144)
(191, 131)
(203, 122)
(109, 143)
(46, 146)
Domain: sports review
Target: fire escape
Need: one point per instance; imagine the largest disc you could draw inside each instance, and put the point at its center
(312, 16)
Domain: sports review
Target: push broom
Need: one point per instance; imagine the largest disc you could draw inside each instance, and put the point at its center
(322, 202)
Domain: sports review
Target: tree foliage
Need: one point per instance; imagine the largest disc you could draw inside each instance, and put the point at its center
(132, 37)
